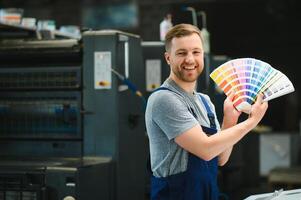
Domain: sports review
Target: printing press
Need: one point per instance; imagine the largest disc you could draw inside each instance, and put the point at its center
(70, 128)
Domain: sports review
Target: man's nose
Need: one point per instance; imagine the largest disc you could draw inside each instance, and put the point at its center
(189, 58)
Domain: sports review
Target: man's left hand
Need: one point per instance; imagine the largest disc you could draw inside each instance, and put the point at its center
(231, 114)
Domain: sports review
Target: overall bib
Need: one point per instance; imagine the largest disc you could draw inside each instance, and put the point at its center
(198, 182)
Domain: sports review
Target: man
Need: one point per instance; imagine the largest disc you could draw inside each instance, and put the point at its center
(181, 125)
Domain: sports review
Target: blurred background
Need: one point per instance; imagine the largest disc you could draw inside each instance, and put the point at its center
(66, 125)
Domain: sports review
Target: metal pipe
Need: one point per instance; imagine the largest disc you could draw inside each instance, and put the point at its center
(204, 18)
(194, 15)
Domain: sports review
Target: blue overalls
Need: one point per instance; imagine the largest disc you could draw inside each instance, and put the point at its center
(199, 181)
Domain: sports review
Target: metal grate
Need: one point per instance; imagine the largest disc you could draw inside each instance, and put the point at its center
(40, 78)
(18, 195)
(18, 188)
(40, 115)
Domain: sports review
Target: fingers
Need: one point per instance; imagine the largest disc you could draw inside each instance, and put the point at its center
(265, 105)
(260, 107)
(260, 103)
(259, 99)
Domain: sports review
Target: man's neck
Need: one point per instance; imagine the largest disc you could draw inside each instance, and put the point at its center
(189, 87)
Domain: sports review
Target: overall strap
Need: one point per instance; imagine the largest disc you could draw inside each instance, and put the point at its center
(210, 114)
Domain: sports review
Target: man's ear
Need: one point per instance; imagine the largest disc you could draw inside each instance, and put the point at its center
(167, 57)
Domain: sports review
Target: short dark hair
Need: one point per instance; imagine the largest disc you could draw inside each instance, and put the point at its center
(178, 31)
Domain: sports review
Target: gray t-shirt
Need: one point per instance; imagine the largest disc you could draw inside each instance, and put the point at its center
(166, 117)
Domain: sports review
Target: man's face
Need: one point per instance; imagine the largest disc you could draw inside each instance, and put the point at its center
(186, 57)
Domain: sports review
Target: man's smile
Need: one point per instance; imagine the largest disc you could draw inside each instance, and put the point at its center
(189, 67)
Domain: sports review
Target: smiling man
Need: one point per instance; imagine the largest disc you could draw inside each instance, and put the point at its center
(185, 139)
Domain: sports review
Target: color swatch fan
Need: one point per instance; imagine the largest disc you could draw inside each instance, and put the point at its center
(247, 77)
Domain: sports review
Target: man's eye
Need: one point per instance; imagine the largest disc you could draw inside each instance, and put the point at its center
(196, 52)
(181, 53)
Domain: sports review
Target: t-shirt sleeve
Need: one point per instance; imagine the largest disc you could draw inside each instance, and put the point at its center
(172, 115)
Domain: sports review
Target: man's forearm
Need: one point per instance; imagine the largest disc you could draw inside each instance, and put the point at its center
(224, 156)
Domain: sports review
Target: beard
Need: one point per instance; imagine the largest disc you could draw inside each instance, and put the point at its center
(184, 75)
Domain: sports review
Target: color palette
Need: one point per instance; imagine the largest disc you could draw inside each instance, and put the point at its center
(247, 77)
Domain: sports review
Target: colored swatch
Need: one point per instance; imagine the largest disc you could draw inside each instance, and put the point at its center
(247, 77)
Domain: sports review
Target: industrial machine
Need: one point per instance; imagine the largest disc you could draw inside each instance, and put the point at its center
(69, 126)
(114, 120)
(55, 178)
